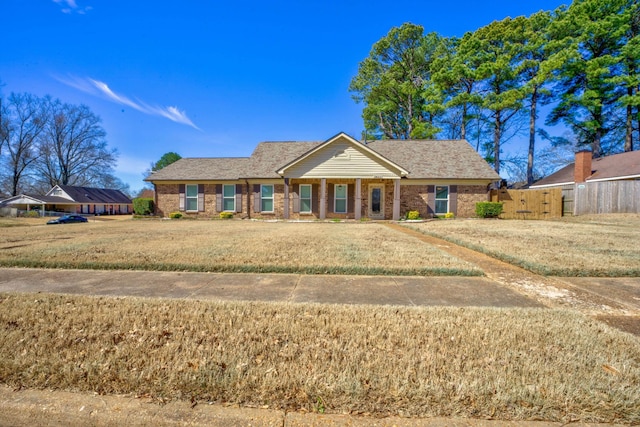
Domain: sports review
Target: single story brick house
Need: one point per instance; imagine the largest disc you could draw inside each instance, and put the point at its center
(339, 178)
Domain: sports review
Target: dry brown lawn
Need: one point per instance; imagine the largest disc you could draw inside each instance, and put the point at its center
(596, 245)
(224, 246)
(519, 364)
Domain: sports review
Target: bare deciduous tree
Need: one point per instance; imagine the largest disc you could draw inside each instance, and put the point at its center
(23, 121)
(73, 147)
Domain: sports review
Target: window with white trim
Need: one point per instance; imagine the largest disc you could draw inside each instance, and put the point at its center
(305, 198)
(266, 198)
(191, 197)
(442, 200)
(229, 197)
(340, 198)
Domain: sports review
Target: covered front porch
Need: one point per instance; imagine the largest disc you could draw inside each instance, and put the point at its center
(353, 198)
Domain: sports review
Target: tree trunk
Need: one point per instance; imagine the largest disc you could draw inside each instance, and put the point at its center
(463, 127)
(532, 135)
(596, 144)
(628, 140)
(497, 134)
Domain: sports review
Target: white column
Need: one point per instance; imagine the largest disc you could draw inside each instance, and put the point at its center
(396, 199)
(286, 199)
(358, 204)
(323, 196)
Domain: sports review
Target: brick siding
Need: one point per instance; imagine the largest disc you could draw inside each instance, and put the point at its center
(412, 197)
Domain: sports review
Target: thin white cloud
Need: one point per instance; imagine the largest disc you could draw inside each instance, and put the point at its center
(132, 165)
(98, 88)
(70, 6)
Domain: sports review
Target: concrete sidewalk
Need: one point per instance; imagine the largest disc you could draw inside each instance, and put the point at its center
(39, 408)
(296, 288)
(36, 407)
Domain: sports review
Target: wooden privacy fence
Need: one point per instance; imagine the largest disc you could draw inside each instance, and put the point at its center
(607, 197)
(529, 204)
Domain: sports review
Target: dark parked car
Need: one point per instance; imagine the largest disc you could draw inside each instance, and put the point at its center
(65, 219)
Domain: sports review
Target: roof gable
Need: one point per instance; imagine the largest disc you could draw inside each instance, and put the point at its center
(344, 157)
(57, 191)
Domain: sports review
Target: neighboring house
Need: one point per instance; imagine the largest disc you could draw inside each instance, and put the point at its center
(70, 199)
(603, 185)
(617, 167)
(338, 178)
(147, 193)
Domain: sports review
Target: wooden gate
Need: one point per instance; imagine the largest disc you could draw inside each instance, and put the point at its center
(529, 204)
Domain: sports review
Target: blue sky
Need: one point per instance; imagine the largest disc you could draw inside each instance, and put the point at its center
(210, 78)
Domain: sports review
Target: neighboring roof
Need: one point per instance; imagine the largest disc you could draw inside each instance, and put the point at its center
(436, 159)
(609, 168)
(28, 199)
(95, 195)
(423, 159)
(563, 176)
(202, 169)
(78, 195)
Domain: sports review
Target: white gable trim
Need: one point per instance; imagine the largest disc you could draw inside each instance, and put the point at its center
(62, 194)
(343, 136)
(22, 199)
(615, 178)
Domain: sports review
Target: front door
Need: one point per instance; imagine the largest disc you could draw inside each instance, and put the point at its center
(376, 201)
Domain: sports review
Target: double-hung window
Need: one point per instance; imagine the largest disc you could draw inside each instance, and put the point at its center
(340, 198)
(305, 198)
(191, 197)
(266, 198)
(442, 200)
(229, 197)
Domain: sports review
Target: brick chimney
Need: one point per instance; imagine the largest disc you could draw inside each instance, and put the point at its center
(582, 169)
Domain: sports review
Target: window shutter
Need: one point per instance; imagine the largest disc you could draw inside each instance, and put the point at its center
(431, 200)
(331, 193)
(219, 197)
(200, 197)
(351, 198)
(238, 197)
(257, 200)
(315, 199)
(181, 191)
(296, 198)
(453, 199)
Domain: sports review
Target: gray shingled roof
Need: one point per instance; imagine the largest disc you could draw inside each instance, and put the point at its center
(268, 157)
(423, 159)
(436, 159)
(203, 169)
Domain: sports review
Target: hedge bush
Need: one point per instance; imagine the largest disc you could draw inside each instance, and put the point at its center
(488, 209)
(31, 214)
(143, 206)
(413, 215)
(175, 215)
(226, 215)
